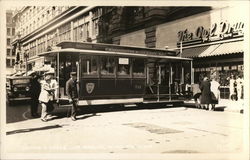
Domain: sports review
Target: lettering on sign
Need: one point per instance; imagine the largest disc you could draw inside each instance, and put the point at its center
(218, 30)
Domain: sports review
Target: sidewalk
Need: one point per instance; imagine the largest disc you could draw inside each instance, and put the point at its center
(224, 105)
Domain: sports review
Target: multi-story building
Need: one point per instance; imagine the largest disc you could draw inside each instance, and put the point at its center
(40, 28)
(10, 56)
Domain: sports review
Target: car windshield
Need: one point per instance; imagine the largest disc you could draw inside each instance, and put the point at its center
(20, 81)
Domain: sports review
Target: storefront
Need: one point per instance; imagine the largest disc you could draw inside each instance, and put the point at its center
(218, 54)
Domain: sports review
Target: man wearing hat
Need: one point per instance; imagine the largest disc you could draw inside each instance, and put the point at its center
(72, 89)
(47, 95)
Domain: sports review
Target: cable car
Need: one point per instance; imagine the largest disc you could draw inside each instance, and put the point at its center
(115, 74)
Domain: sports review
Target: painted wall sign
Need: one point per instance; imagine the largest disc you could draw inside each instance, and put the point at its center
(217, 31)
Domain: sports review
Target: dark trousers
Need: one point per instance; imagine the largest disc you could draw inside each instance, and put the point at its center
(34, 106)
(74, 108)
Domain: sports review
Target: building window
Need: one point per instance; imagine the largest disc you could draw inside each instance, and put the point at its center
(13, 62)
(8, 62)
(95, 27)
(8, 19)
(8, 52)
(8, 41)
(64, 32)
(13, 52)
(13, 31)
(8, 31)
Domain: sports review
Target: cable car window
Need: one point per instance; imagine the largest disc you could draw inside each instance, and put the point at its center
(107, 65)
(123, 66)
(138, 67)
(89, 65)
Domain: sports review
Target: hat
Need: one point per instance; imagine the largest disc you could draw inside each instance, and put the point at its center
(73, 73)
(49, 73)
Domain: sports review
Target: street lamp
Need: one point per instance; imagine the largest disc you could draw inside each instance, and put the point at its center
(26, 56)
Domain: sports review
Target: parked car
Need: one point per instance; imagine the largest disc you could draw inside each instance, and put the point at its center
(19, 88)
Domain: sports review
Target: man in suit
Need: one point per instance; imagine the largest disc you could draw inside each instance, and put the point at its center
(72, 93)
(46, 96)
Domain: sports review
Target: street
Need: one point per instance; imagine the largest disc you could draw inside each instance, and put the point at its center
(126, 130)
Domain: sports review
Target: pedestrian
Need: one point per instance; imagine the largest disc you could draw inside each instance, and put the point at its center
(195, 88)
(205, 93)
(232, 87)
(215, 92)
(47, 95)
(72, 89)
(35, 89)
(239, 87)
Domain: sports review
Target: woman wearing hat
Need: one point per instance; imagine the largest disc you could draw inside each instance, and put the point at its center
(47, 95)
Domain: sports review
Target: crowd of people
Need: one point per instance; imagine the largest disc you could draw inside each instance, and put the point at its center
(206, 94)
(44, 91)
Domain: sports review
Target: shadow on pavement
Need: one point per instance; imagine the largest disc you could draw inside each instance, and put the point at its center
(32, 129)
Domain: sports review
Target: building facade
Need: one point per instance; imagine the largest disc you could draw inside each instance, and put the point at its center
(10, 54)
(40, 28)
(213, 37)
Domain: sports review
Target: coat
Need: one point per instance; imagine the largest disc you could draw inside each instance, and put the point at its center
(47, 91)
(72, 89)
(205, 92)
(35, 89)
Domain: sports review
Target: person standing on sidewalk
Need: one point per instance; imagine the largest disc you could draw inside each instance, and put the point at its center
(35, 89)
(239, 87)
(195, 88)
(231, 87)
(205, 93)
(72, 89)
(47, 95)
(215, 92)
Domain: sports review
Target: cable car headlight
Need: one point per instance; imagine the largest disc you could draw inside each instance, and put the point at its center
(27, 88)
(15, 89)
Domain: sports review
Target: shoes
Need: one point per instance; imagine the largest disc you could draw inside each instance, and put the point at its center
(44, 120)
(73, 118)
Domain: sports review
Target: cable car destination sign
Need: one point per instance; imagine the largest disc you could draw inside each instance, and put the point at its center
(217, 31)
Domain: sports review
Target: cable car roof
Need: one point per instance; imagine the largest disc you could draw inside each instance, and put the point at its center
(110, 53)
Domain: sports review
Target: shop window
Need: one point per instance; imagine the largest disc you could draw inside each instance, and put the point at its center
(107, 66)
(123, 66)
(89, 65)
(138, 67)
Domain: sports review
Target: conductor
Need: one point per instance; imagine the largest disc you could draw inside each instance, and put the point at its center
(72, 88)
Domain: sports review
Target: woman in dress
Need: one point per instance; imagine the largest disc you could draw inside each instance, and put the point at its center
(205, 93)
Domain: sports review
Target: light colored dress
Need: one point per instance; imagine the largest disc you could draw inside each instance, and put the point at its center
(215, 88)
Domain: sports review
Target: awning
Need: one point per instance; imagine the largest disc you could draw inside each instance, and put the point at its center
(229, 48)
(214, 50)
